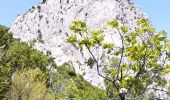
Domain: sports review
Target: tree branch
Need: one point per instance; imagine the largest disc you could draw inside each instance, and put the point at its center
(121, 58)
(98, 71)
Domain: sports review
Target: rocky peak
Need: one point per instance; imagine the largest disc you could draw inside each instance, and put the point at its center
(48, 23)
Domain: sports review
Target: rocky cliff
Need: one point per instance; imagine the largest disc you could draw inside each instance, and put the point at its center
(48, 23)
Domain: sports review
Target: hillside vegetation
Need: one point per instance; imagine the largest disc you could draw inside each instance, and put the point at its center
(28, 74)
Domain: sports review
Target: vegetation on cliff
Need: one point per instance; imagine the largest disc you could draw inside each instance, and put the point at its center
(29, 74)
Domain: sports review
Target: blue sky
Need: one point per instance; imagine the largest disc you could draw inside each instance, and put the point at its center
(9, 9)
(157, 10)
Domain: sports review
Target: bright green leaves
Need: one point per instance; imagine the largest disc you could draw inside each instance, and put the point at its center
(166, 44)
(125, 67)
(168, 55)
(162, 35)
(160, 39)
(167, 70)
(134, 52)
(71, 39)
(124, 29)
(143, 22)
(78, 27)
(116, 93)
(148, 29)
(83, 37)
(146, 26)
(108, 45)
(131, 39)
(125, 82)
(86, 41)
(97, 36)
(94, 38)
(113, 72)
(113, 23)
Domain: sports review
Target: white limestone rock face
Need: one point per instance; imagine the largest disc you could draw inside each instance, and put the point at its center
(50, 21)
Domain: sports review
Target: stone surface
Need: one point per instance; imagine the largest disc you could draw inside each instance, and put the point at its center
(50, 19)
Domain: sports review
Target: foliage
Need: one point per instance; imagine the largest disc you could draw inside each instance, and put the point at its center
(73, 86)
(5, 72)
(143, 57)
(20, 55)
(5, 37)
(15, 55)
(24, 74)
(27, 86)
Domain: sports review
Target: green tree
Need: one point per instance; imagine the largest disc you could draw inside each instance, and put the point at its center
(15, 56)
(137, 66)
(5, 37)
(5, 72)
(20, 55)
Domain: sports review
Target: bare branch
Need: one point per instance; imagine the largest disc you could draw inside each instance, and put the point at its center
(98, 71)
(122, 52)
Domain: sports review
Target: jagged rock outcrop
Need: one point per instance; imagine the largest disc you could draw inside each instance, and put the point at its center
(49, 22)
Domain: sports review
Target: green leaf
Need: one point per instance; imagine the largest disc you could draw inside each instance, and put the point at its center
(113, 72)
(97, 36)
(124, 29)
(113, 23)
(124, 67)
(108, 45)
(87, 42)
(78, 27)
(166, 70)
(71, 39)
